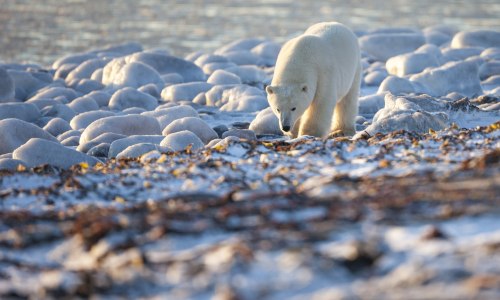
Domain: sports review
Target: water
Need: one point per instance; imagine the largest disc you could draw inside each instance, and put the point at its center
(43, 30)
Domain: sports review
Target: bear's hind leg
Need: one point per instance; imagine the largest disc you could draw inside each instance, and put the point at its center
(346, 110)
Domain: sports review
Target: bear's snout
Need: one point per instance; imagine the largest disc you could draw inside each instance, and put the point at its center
(285, 128)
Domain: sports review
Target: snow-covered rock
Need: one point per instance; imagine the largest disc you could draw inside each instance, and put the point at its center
(461, 77)
(39, 151)
(25, 83)
(139, 150)
(400, 113)
(222, 77)
(68, 134)
(268, 52)
(14, 133)
(24, 111)
(220, 95)
(383, 46)
(396, 85)
(195, 125)
(118, 73)
(266, 122)
(179, 141)
(241, 44)
(85, 119)
(105, 138)
(375, 78)
(129, 97)
(57, 126)
(371, 104)
(246, 103)
(209, 68)
(77, 59)
(72, 141)
(53, 92)
(410, 63)
(209, 58)
(477, 38)
(119, 145)
(246, 134)
(248, 74)
(168, 115)
(126, 125)
(451, 54)
(42, 103)
(58, 111)
(243, 57)
(184, 91)
(83, 104)
(11, 164)
(7, 88)
(488, 69)
(86, 69)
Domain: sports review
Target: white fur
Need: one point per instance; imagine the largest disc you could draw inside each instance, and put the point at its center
(318, 74)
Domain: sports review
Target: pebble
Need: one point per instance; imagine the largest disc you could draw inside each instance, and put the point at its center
(195, 125)
(184, 91)
(85, 119)
(126, 125)
(7, 87)
(461, 77)
(129, 97)
(107, 137)
(72, 141)
(119, 145)
(151, 89)
(383, 46)
(39, 152)
(245, 134)
(57, 126)
(68, 134)
(15, 132)
(179, 141)
(23, 111)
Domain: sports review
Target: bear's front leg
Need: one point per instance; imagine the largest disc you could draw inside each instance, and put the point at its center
(317, 119)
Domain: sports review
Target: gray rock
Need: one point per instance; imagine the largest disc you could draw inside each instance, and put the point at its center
(42, 103)
(212, 67)
(375, 78)
(459, 54)
(118, 73)
(410, 63)
(209, 58)
(7, 87)
(86, 86)
(100, 150)
(102, 98)
(85, 119)
(25, 83)
(119, 145)
(14, 133)
(242, 44)
(129, 97)
(73, 59)
(119, 50)
(268, 52)
(168, 115)
(85, 69)
(179, 141)
(241, 133)
(220, 129)
(461, 77)
(383, 46)
(150, 89)
(370, 104)
(243, 57)
(195, 125)
(57, 126)
(23, 111)
(133, 111)
(126, 125)
(39, 152)
(248, 74)
(53, 92)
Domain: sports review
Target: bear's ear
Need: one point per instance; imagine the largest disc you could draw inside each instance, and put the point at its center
(304, 88)
(269, 90)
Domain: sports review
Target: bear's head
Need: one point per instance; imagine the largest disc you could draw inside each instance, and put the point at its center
(288, 103)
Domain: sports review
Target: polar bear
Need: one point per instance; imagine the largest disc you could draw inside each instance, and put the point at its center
(316, 82)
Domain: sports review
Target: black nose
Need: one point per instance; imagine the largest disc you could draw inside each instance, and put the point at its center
(286, 128)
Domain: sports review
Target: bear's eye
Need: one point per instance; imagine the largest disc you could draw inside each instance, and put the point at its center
(277, 109)
(304, 88)
(293, 109)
